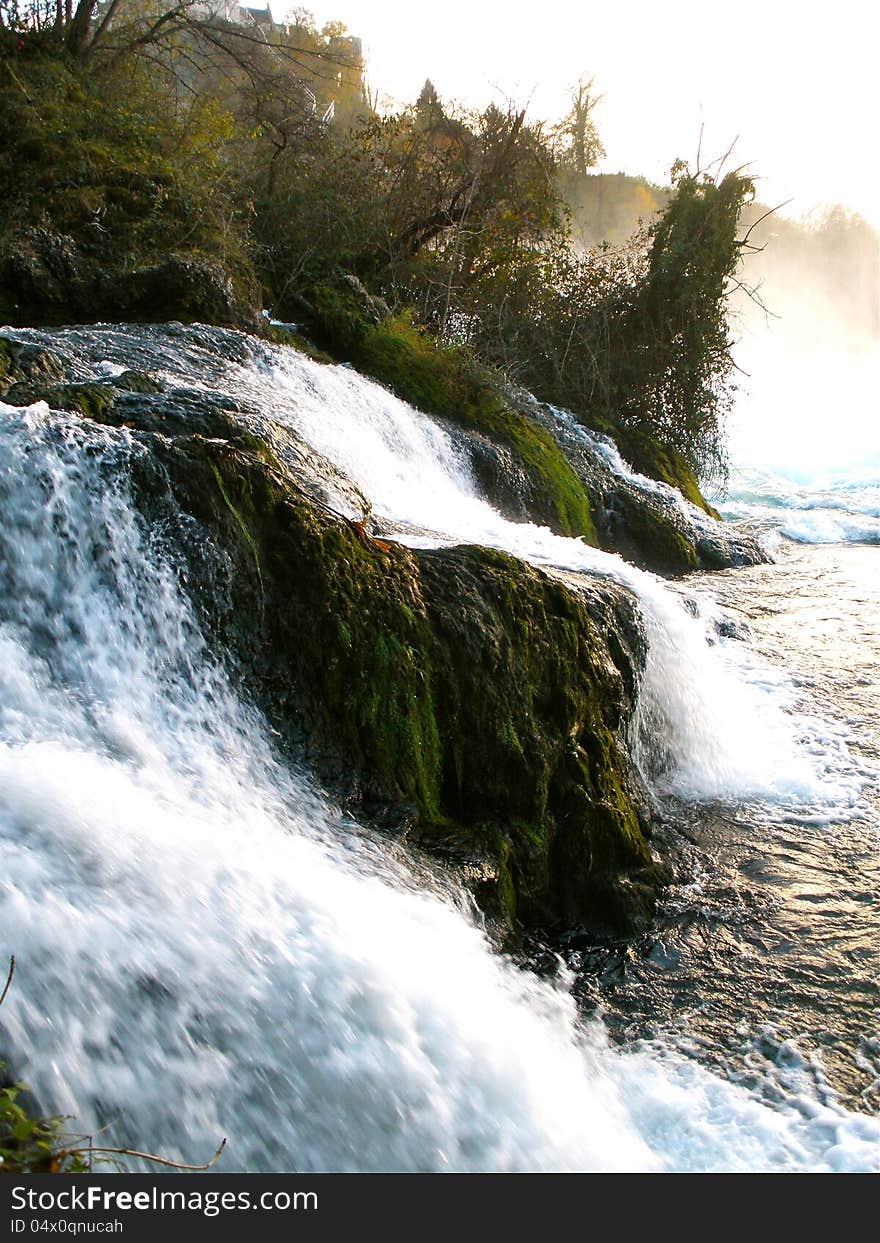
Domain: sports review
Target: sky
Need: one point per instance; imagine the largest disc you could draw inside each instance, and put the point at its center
(792, 84)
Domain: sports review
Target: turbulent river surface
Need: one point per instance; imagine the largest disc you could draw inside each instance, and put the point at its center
(207, 947)
(763, 961)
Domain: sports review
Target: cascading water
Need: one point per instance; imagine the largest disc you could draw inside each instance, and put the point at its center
(206, 947)
(707, 726)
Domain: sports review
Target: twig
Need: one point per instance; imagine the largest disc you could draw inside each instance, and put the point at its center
(752, 293)
(20, 86)
(147, 1156)
(700, 145)
(743, 241)
(8, 979)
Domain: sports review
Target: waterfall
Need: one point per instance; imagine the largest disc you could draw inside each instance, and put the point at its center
(710, 723)
(207, 947)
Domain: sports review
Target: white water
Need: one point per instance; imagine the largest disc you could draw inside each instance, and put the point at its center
(204, 947)
(605, 448)
(711, 723)
(804, 435)
(826, 507)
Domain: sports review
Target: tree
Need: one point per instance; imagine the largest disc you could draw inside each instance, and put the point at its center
(674, 365)
(580, 146)
(77, 28)
(428, 105)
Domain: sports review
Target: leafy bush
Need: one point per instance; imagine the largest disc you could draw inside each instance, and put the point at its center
(33, 1145)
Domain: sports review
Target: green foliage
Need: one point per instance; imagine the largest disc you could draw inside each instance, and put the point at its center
(396, 197)
(675, 378)
(32, 1145)
(211, 147)
(634, 338)
(342, 321)
(103, 171)
(580, 146)
(283, 335)
(318, 211)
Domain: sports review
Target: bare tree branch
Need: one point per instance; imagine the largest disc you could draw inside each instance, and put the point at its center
(8, 979)
(743, 241)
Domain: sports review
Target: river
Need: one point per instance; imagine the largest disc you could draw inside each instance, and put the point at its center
(206, 946)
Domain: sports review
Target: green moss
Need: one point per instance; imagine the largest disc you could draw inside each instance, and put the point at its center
(281, 335)
(653, 538)
(506, 888)
(137, 382)
(460, 683)
(243, 528)
(523, 831)
(444, 380)
(29, 364)
(647, 455)
(342, 321)
(394, 708)
(103, 184)
(94, 401)
(508, 735)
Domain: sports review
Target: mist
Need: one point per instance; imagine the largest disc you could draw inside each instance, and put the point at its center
(808, 346)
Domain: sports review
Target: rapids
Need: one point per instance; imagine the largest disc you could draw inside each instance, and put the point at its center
(207, 947)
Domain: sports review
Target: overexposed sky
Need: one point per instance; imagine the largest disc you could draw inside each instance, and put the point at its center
(793, 83)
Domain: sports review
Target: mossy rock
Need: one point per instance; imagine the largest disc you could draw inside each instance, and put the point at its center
(445, 380)
(116, 208)
(20, 361)
(92, 400)
(288, 334)
(648, 536)
(649, 456)
(343, 315)
(137, 382)
(459, 692)
(190, 287)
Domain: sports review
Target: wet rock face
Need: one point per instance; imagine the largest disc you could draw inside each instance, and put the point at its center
(28, 364)
(501, 476)
(184, 288)
(655, 527)
(472, 704)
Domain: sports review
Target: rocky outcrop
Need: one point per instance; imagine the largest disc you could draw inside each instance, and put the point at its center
(659, 521)
(536, 463)
(469, 704)
(24, 363)
(446, 382)
(50, 278)
(460, 698)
